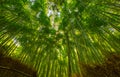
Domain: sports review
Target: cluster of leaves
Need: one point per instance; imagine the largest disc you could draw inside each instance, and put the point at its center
(53, 36)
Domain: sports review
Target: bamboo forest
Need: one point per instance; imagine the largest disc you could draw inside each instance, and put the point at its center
(59, 38)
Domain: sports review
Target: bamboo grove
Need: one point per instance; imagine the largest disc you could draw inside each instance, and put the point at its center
(57, 36)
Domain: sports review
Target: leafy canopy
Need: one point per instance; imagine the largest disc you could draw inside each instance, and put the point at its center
(55, 36)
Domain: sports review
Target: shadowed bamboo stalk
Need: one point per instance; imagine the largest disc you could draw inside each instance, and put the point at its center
(69, 54)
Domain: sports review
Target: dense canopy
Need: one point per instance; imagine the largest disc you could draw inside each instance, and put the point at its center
(56, 36)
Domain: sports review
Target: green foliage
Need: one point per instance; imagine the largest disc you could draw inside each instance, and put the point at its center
(54, 36)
